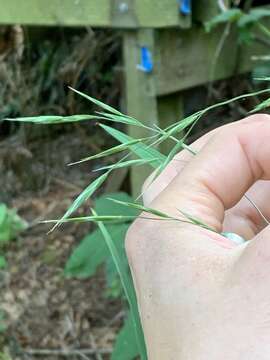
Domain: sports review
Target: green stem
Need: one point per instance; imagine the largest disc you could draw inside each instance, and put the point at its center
(263, 29)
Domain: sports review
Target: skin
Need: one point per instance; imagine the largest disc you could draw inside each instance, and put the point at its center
(202, 297)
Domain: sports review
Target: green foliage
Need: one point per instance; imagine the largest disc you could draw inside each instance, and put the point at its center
(3, 262)
(253, 16)
(10, 225)
(4, 356)
(87, 256)
(94, 251)
(265, 104)
(2, 322)
(237, 16)
(125, 347)
(98, 103)
(85, 195)
(142, 150)
(114, 289)
(53, 119)
(114, 150)
(230, 15)
(244, 21)
(129, 290)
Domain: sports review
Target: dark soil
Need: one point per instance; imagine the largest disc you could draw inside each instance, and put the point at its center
(45, 310)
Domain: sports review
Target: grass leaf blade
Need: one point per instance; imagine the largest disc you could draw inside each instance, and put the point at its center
(97, 102)
(128, 289)
(51, 119)
(85, 195)
(142, 150)
(120, 165)
(110, 151)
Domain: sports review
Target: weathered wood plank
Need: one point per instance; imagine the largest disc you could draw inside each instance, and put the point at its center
(170, 110)
(141, 97)
(204, 10)
(159, 14)
(188, 58)
(55, 12)
(96, 13)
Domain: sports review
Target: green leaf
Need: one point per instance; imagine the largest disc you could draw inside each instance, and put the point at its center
(92, 251)
(125, 347)
(2, 322)
(5, 233)
(264, 78)
(3, 263)
(230, 15)
(84, 196)
(54, 119)
(253, 16)
(4, 355)
(124, 119)
(192, 119)
(237, 98)
(3, 213)
(84, 260)
(128, 289)
(180, 126)
(245, 35)
(92, 218)
(17, 223)
(142, 150)
(196, 221)
(143, 208)
(177, 147)
(114, 288)
(110, 151)
(104, 206)
(260, 72)
(263, 105)
(98, 103)
(10, 224)
(119, 165)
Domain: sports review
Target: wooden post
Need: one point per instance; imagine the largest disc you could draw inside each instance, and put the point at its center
(170, 110)
(141, 99)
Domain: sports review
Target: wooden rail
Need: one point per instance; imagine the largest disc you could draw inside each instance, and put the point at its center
(130, 14)
(189, 58)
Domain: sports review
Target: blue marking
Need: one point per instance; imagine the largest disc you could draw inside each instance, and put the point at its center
(146, 64)
(185, 7)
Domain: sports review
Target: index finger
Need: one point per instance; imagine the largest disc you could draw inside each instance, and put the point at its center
(217, 178)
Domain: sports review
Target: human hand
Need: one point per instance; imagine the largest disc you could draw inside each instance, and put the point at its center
(200, 295)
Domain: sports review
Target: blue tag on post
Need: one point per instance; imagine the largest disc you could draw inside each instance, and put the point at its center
(146, 64)
(185, 7)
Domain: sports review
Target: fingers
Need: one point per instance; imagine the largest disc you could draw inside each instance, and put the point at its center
(247, 219)
(151, 189)
(217, 178)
